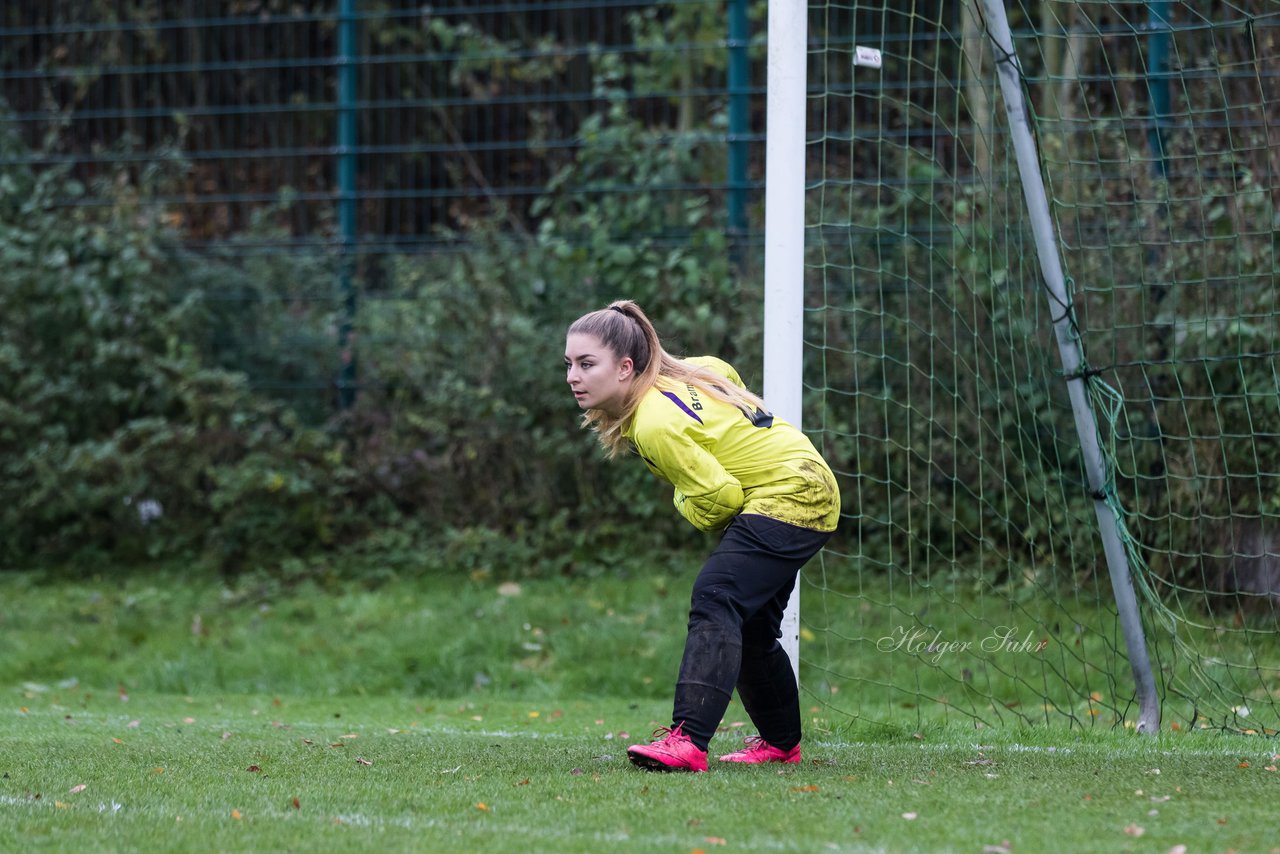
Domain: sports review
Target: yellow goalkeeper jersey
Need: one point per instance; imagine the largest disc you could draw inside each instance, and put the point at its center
(723, 462)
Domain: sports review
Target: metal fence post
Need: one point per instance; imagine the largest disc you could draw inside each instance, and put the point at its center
(1158, 81)
(739, 124)
(346, 153)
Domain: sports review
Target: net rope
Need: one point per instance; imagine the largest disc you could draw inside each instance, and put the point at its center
(936, 388)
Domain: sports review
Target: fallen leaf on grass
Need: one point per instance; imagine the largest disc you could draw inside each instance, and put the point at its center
(236, 815)
(360, 760)
(1134, 830)
(253, 769)
(77, 789)
(715, 840)
(804, 788)
(297, 805)
(1003, 848)
(482, 806)
(910, 816)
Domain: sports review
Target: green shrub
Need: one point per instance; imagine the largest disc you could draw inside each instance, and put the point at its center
(119, 438)
(152, 415)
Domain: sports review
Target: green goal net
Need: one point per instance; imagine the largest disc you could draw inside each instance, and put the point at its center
(975, 587)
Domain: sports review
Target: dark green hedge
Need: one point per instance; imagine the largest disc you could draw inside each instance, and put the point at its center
(161, 404)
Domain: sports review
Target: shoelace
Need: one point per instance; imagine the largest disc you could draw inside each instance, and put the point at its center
(755, 742)
(662, 733)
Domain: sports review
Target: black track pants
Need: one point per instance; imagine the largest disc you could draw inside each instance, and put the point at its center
(735, 617)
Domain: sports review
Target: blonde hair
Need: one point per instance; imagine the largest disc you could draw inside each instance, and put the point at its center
(628, 333)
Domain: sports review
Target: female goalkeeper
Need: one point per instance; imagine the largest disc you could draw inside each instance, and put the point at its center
(736, 470)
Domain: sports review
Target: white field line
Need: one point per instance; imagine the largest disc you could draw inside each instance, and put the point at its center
(296, 727)
(242, 727)
(562, 833)
(1100, 750)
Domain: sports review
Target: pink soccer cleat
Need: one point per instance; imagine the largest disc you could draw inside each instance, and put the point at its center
(672, 752)
(758, 751)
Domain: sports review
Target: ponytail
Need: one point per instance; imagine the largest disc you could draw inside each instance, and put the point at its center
(626, 330)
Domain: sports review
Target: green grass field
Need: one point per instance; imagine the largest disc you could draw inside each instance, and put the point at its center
(175, 714)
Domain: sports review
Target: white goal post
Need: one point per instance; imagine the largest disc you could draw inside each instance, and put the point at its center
(784, 237)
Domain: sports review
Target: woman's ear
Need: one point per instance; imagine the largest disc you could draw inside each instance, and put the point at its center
(626, 368)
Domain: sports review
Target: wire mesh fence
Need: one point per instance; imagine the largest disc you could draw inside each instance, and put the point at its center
(226, 112)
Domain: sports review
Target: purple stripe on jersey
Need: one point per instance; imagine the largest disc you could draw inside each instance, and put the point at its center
(680, 403)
